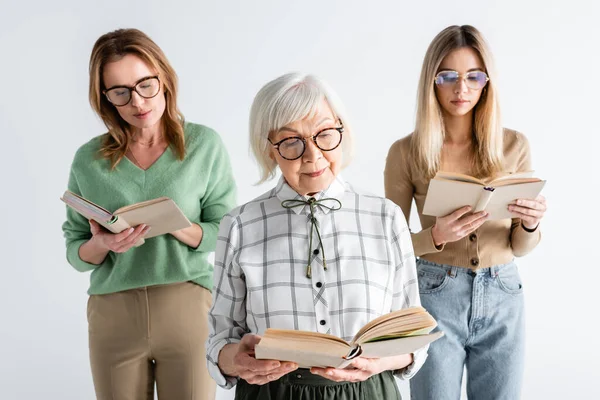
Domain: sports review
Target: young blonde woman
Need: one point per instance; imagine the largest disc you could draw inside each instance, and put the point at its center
(148, 305)
(467, 276)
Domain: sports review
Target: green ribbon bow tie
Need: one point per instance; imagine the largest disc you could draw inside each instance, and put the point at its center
(314, 226)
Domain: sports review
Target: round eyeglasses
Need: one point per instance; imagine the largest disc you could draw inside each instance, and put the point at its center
(475, 80)
(121, 95)
(292, 148)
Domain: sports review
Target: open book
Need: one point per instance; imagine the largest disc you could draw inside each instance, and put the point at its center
(399, 332)
(449, 191)
(161, 214)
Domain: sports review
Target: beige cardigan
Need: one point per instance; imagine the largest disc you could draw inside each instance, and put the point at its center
(495, 242)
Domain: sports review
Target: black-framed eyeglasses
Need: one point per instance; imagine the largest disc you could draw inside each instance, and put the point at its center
(475, 80)
(121, 95)
(293, 148)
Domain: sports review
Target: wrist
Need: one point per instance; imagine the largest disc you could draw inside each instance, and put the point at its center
(99, 244)
(528, 229)
(434, 236)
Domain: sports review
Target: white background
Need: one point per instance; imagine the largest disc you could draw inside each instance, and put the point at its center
(547, 56)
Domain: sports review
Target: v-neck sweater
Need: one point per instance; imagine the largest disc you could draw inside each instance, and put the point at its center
(201, 184)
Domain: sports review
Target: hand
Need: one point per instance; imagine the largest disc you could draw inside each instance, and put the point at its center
(258, 372)
(457, 225)
(192, 235)
(359, 370)
(117, 242)
(530, 211)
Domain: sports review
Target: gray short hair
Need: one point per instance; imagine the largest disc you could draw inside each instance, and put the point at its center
(289, 98)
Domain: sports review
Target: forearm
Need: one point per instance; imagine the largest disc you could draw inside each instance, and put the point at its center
(396, 362)
(226, 356)
(93, 251)
(192, 235)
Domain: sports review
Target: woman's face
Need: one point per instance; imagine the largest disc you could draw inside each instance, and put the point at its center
(456, 98)
(129, 71)
(316, 169)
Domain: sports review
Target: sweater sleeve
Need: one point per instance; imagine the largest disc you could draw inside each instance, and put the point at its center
(399, 189)
(220, 196)
(76, 228)
(522, 241)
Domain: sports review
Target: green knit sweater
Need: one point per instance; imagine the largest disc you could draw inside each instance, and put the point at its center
(203, 187)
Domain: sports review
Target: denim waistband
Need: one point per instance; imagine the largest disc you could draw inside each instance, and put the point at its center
(454, 270)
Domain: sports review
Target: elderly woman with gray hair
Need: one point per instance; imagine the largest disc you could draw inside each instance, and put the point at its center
(313, 253)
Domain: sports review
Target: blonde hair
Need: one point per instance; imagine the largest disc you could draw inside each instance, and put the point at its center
(112, 47)
(289, 98)
(429, 131)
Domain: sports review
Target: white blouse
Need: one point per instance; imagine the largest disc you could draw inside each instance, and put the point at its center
(260, 277)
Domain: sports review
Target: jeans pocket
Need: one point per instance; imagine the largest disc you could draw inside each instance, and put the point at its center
(431, 279)
(509, 279)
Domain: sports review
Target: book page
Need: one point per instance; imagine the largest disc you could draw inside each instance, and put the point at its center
(399, 327)
(504, 195)
(396, 347)
(290, 334)
(515, 175)
(308, 352)
(444, 196)
(513, 181)
(140, 205)
(455, 176)
(162, 215)
(381, 320)
(87, 208)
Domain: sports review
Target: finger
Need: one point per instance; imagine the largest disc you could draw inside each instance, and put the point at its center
(340, 375)
(459, 213)
(468, 231)
(119, 237)
(363, 364)
(541, 199)
(249, 341)
(473, 219)
(137, 234)
(526, 211)
(256, 379)
(533, 204)
(250, 363)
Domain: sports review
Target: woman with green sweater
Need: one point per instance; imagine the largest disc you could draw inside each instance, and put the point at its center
(148, 305)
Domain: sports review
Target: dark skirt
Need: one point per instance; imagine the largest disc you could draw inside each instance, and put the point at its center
(302, 385)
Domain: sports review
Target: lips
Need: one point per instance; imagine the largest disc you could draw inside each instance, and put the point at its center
(316, 173)
(459, 102)
(142, 114)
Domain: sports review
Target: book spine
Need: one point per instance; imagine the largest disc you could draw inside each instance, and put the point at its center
(484, 199)
(118, 225)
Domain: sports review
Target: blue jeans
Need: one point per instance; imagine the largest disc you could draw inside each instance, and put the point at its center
(481, 314)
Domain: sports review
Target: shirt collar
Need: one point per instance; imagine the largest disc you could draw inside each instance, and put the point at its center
(335, 191)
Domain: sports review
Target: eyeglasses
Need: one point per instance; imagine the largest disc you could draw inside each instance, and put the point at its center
(121, 95)
(475, 80)
(293, 148)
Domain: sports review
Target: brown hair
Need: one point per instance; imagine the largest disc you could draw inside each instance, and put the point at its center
(111, 47)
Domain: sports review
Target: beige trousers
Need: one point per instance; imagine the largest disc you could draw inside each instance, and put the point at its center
(147, 335)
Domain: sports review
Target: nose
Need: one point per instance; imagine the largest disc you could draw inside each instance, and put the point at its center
(136, 99)
(461, 86)
(311, 153)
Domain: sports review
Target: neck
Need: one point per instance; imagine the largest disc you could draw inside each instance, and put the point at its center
(148, 136)
(459, 129)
